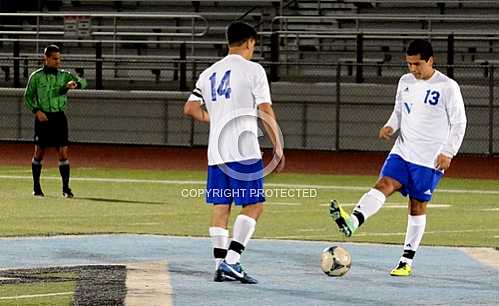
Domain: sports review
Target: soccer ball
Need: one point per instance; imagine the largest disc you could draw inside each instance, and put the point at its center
(335, 261)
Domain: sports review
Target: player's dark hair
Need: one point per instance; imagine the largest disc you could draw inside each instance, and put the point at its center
(238, 32)
(51, 49)
(421, 47)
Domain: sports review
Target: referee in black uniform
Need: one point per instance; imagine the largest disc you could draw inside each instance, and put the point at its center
(45, 97)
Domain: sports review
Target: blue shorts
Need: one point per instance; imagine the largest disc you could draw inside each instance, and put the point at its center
(238, 182)
(418, 182)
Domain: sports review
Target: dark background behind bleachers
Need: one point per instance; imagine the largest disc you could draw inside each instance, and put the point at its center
(333, 65)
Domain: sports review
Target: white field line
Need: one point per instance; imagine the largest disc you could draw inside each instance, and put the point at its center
(34, 295)
(198, 182)
(282, 204)
(396, 205)
(490, 209)
(379, 234)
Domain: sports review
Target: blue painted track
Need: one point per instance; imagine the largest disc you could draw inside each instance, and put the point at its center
(288, 271)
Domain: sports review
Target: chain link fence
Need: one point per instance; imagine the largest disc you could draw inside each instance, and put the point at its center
(318, 106)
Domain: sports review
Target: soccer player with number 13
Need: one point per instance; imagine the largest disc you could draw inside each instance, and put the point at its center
(429, 114)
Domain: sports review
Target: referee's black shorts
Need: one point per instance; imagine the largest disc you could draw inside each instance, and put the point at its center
(52, 133)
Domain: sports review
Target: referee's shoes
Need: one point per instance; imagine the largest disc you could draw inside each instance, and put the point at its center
(38, 193)
(66, 192)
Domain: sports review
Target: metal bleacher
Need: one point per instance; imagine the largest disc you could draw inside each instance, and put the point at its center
(312, 50)
(328, 31)
(143, 44)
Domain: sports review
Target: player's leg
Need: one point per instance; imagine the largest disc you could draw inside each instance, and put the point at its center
(60, 136)
(422, 184)
(217, 187)
(41, 140)
(64, 170)
(249, 194)
(36, 170)
(393, 176)
(244, 227)
(219, 236)
(416, 222)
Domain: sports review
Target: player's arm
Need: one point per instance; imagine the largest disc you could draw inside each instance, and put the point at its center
(194, 105)
(31, 100)
(393, 123)
(194, 109)
(457, 121)
(273, 132)
(72, 82)
(30, 95)
(261, 94)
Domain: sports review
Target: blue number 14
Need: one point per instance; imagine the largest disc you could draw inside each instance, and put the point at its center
(223, 88)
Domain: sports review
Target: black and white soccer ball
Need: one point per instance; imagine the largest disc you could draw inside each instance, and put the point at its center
(335, 261)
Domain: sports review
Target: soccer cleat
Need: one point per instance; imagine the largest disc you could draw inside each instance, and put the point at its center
(237, 272)
(403, 269)
(66, 192)
(38, 193)
(342, 219)
(220, 276)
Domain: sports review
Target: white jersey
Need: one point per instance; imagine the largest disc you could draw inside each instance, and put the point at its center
(231, 89)
(431, 117)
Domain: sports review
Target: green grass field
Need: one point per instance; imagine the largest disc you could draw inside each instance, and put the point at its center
(466, 212)
(47, 288)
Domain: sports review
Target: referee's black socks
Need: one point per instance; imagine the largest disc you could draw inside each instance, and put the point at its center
(36, 169)
(65, 172)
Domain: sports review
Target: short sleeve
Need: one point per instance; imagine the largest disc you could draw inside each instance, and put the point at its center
(260, 86)
(197, 93)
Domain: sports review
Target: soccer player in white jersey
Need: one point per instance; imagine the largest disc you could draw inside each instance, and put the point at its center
(235, 91)
(430, 117)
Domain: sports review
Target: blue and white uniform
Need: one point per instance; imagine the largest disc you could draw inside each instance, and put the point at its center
(232, 89)
(431, 118)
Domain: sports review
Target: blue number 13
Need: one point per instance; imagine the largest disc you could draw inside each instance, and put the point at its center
(223, 88)
(432, 97)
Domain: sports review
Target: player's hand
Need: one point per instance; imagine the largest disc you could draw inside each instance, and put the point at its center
(71, 85)
(41, 117)
(385, 132)
(443, 162)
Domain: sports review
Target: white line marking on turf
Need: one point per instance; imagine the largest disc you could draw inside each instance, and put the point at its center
(198, 182)
(434, 232)
(34, 295)
(490, 209)
(383, 234)
(396, 205)
(283, 204)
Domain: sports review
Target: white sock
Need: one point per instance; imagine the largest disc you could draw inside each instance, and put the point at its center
(219, 240)
(369, 204)
(414, 235)
(244, 227)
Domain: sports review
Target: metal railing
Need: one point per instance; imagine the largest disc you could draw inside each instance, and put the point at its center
(115, 32)
(425, 22)
(313, 114)
(288, 43)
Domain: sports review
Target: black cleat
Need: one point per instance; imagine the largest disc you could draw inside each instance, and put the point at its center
(66, 192)
(38, 193)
